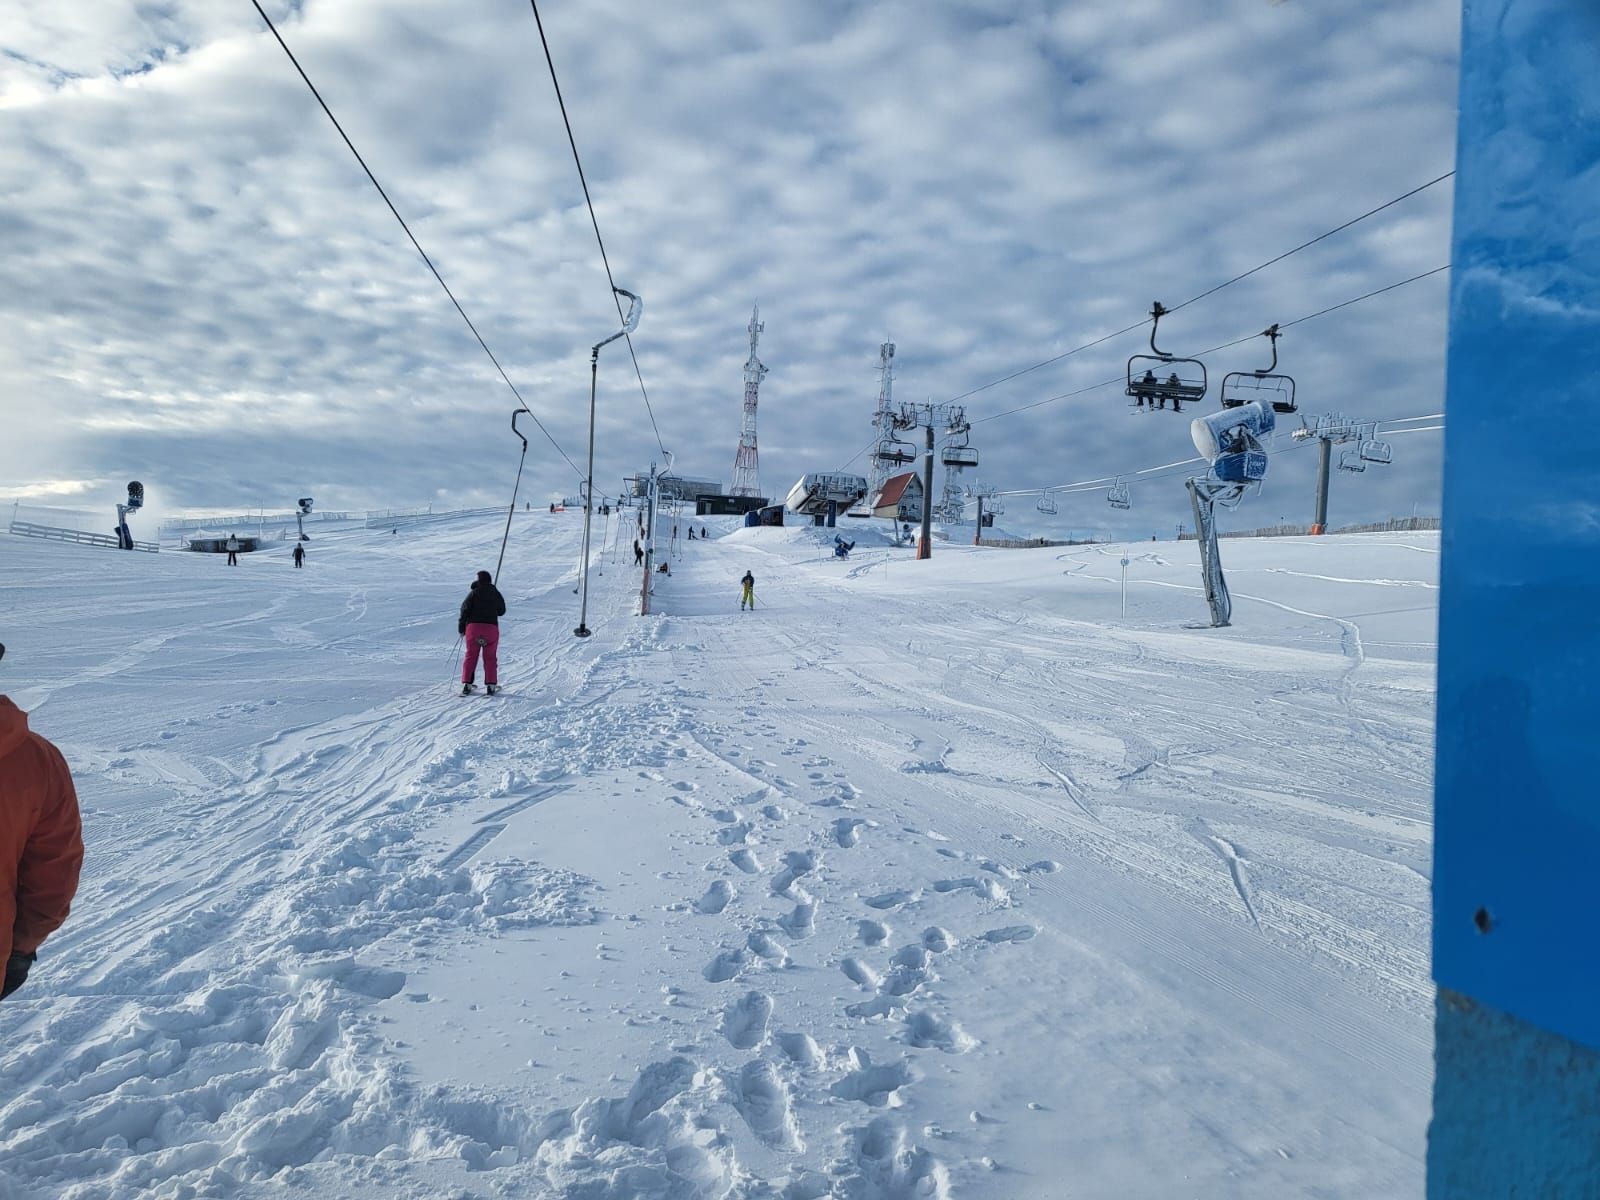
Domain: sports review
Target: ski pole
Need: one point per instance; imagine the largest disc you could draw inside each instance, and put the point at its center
(455, 653)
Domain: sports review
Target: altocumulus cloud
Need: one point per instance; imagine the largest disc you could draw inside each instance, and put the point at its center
(201, 289)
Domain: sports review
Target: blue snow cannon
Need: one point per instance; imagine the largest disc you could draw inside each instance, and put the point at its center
(1231, 441)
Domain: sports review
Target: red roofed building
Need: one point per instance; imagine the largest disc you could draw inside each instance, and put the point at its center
(900, 499)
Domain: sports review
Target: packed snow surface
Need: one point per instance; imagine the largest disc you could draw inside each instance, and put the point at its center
(942, 879)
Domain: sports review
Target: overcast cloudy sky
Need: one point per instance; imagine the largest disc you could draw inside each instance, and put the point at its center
(200, 289)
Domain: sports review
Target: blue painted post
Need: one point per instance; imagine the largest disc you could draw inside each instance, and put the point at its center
(1516, 942)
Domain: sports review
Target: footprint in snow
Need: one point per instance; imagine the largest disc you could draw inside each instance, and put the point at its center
(801, 920)
(846, 830)
(872, 933)
(745, 860)
(762, 1099)
(1010, 933)
(795, 864)
(800, 1049)
(724, 966)
(937, 939)
(860, 974)
(870, 1083)
(890, 900)
(764, 946)
(717, 897)
(927, 1030)
(744, 1021)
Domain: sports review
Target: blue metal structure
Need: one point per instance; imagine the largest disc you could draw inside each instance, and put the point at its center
(1517, 781)
(1518, 771)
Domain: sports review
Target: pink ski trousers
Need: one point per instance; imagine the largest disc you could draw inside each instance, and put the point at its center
(490, 636)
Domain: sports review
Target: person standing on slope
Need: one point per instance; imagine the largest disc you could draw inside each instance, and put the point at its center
(299, 555)
(480, 625)
(41, 843)
(748, 596)
(638, 553)
(233, 550)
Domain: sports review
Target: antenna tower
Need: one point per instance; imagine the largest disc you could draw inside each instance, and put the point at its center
(746, 462)
(883, 422)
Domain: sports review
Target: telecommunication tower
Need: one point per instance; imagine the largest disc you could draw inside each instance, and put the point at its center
(887, 453)
(746, 462)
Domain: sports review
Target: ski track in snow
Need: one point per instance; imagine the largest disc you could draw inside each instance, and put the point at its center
(731, 905)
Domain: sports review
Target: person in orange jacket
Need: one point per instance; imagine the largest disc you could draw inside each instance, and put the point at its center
(41, 842)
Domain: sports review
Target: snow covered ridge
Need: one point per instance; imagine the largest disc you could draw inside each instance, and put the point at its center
(921, 880)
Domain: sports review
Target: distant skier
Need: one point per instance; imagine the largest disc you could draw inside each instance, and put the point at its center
(638, 553)
(480, 625)
(691, 533)
(299, 555)
(702, 533)
(232, 548)
(41, 843)
(748, 596)
(842, 548)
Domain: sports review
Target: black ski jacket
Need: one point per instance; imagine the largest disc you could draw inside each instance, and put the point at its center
(484, 605)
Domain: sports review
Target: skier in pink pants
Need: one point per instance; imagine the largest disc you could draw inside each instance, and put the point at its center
(480, 625)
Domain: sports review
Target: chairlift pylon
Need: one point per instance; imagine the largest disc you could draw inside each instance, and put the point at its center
(1157, 377)
(1264, 385)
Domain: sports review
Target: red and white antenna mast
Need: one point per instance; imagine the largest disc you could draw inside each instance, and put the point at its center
(746, 463)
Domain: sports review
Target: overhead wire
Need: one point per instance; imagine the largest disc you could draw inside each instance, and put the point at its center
(1101, 483)
(594, 220)
(1215, 349)
(373, 179)
(1211, 291)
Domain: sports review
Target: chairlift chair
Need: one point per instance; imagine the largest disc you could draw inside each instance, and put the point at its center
(1117, 495)
(1351, 460)
(897, 455)
(1157, 377)
(956, 452)
(1265, 386)
(1374, 451)
(1047, 504)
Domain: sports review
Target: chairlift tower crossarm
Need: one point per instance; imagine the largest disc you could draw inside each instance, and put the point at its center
(956, 456)
(1332, 429)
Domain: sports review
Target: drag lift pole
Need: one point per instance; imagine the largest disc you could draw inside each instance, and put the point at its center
(629, 324)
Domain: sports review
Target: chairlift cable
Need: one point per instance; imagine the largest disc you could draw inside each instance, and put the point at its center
(594, 220)
(1371, 212)
(413, 237)
(1335, 308)
(1214, 349)
(1105, 481)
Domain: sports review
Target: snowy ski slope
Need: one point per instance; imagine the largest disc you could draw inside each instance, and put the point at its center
(921, 880)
